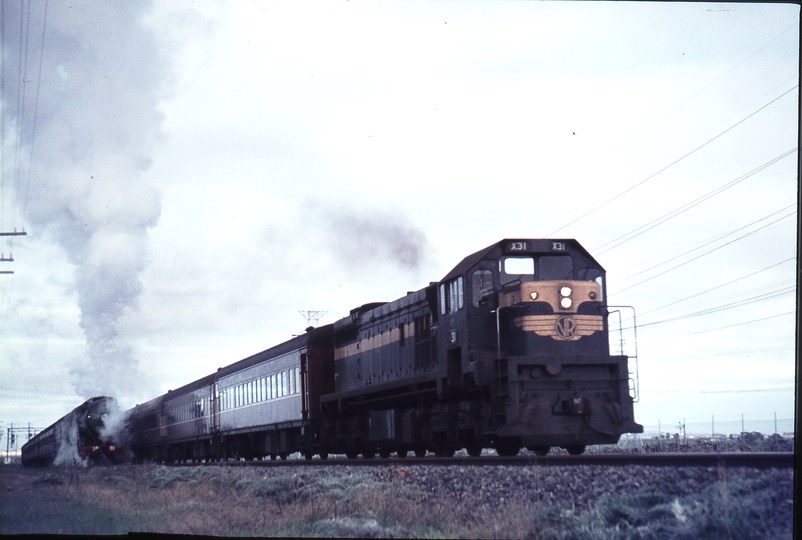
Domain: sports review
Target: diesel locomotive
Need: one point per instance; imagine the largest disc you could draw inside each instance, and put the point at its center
(78, 436)
(509, 350)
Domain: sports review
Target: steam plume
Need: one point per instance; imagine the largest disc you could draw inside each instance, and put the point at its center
(87, 121)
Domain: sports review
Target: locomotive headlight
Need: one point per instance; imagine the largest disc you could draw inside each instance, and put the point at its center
(592, 295)
(565, 303)
(533, 295)
(565, 291)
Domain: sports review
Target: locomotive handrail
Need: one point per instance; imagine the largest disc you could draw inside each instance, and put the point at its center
(636, 381)
(498, 332)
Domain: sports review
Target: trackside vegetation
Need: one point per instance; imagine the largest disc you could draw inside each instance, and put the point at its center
(583, 502)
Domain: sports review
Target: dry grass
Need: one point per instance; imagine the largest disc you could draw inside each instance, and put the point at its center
(328, 502)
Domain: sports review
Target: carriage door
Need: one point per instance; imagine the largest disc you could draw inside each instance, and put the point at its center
(162, 423)
(304, 388)
(214, 409)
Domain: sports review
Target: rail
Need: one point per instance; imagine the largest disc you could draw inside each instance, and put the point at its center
(756, 460)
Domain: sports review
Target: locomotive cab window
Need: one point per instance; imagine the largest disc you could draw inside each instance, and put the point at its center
(555, 267)
(590, 273)
(482, 288)
(516, 269)
(452, 298)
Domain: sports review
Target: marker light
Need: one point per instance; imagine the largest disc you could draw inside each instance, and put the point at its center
(533, 295)
(565, 303)
(565, 291)
(592, 295)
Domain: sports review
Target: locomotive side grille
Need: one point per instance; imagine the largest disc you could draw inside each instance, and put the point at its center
(425, 352)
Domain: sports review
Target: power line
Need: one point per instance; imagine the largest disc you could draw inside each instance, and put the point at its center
(742, 323)
(718, 286)
(715, 81)
(35, 341)
(35, 113)
(675, 161)
(739, 391)
(22, 71)
(752, 321)
(740, 352)
(674, 213)
(709, 251)
(724, 307)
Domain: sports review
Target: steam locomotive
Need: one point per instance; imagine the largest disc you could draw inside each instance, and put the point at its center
(509, 350)
(79, 436)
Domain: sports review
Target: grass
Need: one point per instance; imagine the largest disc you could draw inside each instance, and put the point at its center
(330, 502)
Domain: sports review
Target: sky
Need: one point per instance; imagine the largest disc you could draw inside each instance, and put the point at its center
(192, 176)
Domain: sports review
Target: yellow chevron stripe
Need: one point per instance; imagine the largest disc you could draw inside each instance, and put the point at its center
(546, 325)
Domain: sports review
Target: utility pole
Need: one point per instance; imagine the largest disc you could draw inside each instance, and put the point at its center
(10, 255)
(13, 436)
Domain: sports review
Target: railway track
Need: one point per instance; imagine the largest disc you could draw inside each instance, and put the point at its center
(758, 460)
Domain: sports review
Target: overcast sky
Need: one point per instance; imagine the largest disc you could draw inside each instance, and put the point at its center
(191, 175)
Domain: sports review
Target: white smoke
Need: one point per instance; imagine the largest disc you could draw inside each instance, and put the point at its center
(67, 440)
(88, 122)
(114, 429)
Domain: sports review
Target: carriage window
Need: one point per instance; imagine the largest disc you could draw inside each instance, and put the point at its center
(482, 287)
(556, 267)
(452, 297)
(298, 380)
